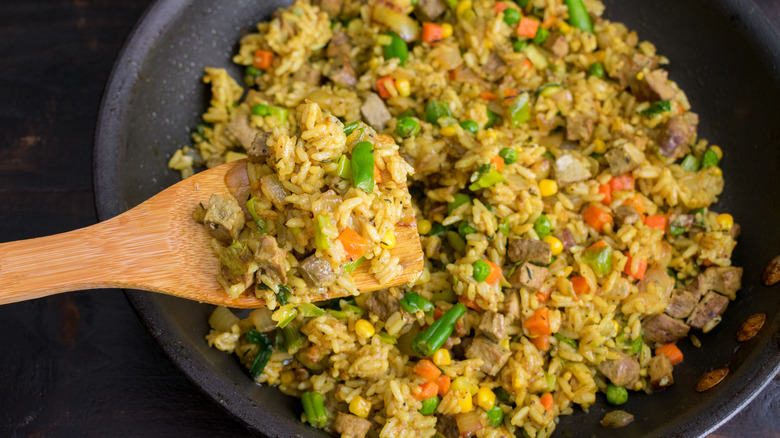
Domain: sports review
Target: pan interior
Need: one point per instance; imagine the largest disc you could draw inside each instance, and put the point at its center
(719, 51)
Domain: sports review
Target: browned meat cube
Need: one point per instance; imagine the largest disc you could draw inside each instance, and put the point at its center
(566, 238)
(494, 68)
(351, 425)
(681, 304)
(571, 168)
(339, 45)
(493, 325)
(308, 75)
(557, 44)
(578, 127)
(677, 132)
(624, 159)
(341, 70)
(375, 112)
(630, 66)
(735, 231)
(259, 149)
(621, 372)
(332, 7)
(660, 371)
(493, 355)
(529, 250)
(224, 218)
(240, 128)
(512, 303)
(529, 276)
(317, 272)
(447, 426)
(710, 307)
(382, 304)
(430, 10)
(684, 221)
(653, 85)
(626, 214)
(662, 329)
(270, 259)
(726, 280)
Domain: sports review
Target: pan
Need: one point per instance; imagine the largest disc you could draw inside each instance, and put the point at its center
(724, 53)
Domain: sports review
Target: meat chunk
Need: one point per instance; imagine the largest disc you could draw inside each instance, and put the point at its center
(660, 371)
(626, 214)
(494, 68)
(375, 112)
(382, 304)
(308, 75)
(331, 7)
(493, 325)
(725, 280)
(259, 149)
(630, 66)
(530, 250)
(681, 303)
(571, 168)
(624, 159)
(735, 231)
(341, 70)
(621, 372)
(493, 355)
(317, 272)
(566, 238)
(578, 127)
(224, 218)
(351, 425)
(683, 221)
(242, 130)
(467, 75)
(677, 132)
(710, 307)
(234, 266)
(662, 329)
(512, 303)
(557, 44)
(529, 276)
(447, 426)
(653, 85)
(270, 260)
(430, 10)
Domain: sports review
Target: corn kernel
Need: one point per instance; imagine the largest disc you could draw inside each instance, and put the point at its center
(364, 329)
(449, 131)
(288, 377)
(716, 171)
(384, 40)
(599, 146)
(564, 27)
(463, 6)
(373, 64)
(464, 401)
(556, 246)
(404, 89)
(464, 384)
(486, 398)
(424, 226)
(388, 241)
(718, 151)
(446, 30)
(504, 343)
(640, 76)
(360, 406)
(548, 187)
(725, 221)
(488, 43)
(442, 357)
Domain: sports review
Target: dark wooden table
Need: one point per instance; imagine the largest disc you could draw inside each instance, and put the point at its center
(81, 364)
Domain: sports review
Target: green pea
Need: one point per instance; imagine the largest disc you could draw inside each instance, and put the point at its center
(397, 48)
(616, 395)
(465, 228)
(253, 71)
(470, 126)
(519, 45)
(596, 69)
(495, 416)
(511, 16)
(407, 127)
(435, 110)
(429, 405)
(690, 163)
(481, 270)
(542, 226)
(541, 36)
(260, 110)
(709, 159)
(509, 155)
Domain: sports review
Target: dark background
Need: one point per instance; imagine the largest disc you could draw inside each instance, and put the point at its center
(81, 364)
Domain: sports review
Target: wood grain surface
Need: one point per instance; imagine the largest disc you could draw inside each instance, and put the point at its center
(81, 364)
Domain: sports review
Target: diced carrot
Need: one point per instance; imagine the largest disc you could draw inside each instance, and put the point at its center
(437, 313)
(606, 190)
(539, 323)
(443, 382)
(640, 269)
(494, 274)
(470, 303)
(500, 7)
(427, 390)
(498, 162)
(426, 369)
(263, 59)
(487, 95)
(510, 93)
(527, 63)
(637, 203)
(671, 351)
(541, 342)
(384, 85)
(527, 27)
(622, 182)
(354, 244)
(452, 74)
(596, 217)
(544, 295)
(547, 401)
(657, 221)
(377, 175)
(549, 21)
(432, 33)
(580, 285)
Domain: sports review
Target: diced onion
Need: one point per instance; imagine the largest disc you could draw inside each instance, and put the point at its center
(222, 319)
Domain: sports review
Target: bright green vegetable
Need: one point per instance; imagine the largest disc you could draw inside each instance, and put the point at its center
(486, 177)
(566, 340)
(397, 48)
(309, 310)
(290, 338)
(435, 110)
(350, 127)
(320, 238)
(657, 107)
(523, 3)
(542, 226)
(520, 110)
(425, 343)
(429, 405)
(616, 395)
(578, 15)
(260, 110)
(263, 352)
(464, 229)
(511, 16)
(509, 155)
(549, 89)
(412, 302)
(548, 155)
(262, 226)
(350, 266)
(363, 166)
(437, 229)
(501, 394)
(288, 312)
(599, 259)
(387, 338)
(470, 126)
(481, 270)
(253, 71)
(551, 380)
(460, 199)
(343, 168)
(690, 163)
(314, 408)
(519, 45)
(709, 159)
(676, 230)
(596, 69)
(407, 126)
(278, 112)
(631, 346)
(541, 36)
(284, 294)
(495, 416)
(504, 227)
(493, 119)
(233, 257)
(456, 242)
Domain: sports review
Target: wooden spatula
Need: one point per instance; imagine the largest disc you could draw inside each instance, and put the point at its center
(157, 247)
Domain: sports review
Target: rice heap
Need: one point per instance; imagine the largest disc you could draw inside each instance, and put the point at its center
(562, 198)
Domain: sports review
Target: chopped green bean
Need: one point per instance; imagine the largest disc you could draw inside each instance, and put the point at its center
(578, 15)
(412, 302)
(363, 166)
(520, 109)
(493, 119)
(314, 408)
(397, 48)
(425, 343)
(321, 240)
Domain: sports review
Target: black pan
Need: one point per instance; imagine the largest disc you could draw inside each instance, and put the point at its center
(724, 54)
